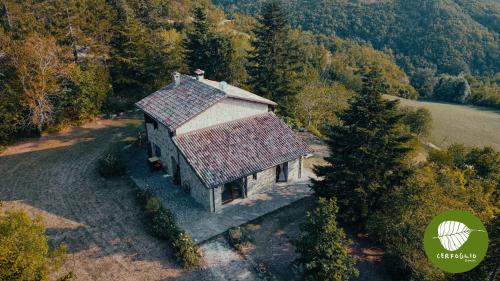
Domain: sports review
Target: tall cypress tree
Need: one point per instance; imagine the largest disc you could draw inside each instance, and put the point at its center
(368, 152)
(275, 63)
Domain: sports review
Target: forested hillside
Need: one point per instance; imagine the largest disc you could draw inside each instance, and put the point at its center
(451, 35)
(62, 63)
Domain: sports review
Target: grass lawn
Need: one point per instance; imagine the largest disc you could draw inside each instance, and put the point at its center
(452, 123)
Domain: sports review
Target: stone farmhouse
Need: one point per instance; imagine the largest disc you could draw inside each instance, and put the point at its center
(220, 142)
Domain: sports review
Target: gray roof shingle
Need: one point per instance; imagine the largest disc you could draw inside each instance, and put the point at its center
(175, 105)
(229, 151)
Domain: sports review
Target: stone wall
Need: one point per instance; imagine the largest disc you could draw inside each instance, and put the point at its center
(197, 189)
(293, 170)
(161, 138)
(224, 111)
(267, 178)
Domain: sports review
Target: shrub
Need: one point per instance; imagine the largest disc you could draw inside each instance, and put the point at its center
(24, 250)
(187, 252)
(111, 164)
(153, 205)
(323, 246)
(163, 226)
(238, 239)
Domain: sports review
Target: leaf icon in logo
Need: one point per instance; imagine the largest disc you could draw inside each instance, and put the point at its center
(453, 234)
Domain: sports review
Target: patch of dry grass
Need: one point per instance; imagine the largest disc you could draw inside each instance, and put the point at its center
(452, 123)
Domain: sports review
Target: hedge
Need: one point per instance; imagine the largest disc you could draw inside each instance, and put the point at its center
(163, 226)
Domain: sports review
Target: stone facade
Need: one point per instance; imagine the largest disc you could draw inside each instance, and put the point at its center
(224, 111)
(160, 137)
(211, 199)
(190, 181)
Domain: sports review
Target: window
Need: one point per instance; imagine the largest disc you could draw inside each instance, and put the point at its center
(282, 172)
(157, 151)
(254, 176)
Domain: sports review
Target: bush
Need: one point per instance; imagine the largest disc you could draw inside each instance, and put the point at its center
(323, 246)
(187, 252)
(153, 205)
(111, 164)
(238, 239)
(24, 250)
(163, 226)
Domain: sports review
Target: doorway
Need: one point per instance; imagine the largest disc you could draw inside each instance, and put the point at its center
(282, 172)
(232, 190)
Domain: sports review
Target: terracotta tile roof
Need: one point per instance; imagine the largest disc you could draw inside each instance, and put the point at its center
(229, 151)
(173, 106)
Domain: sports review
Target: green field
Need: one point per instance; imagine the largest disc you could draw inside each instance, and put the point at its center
(469, 125)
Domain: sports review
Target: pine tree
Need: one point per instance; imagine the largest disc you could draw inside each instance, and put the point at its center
(197, 41)
(323, 247)
(275, 63)
(135, 65)
(208, 50)
(221, 50)
(367, 153)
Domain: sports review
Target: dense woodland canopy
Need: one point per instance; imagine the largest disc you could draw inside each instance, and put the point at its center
(452, 35)
(63, 63)
(430, 37)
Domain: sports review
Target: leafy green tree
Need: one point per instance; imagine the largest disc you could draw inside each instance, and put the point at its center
(24, 250)
(432, 189)
(85, 89)
(452, 89)
(318, 103)
(367, 153)
(275, 64)
(408, 209)
(10, 101)
(419, 121)
(323, 246)
(424, 80)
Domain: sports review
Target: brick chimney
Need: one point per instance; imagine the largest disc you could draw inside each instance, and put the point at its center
(199, 74)
(176, 76)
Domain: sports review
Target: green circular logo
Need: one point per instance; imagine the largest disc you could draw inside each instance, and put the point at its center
(456, 241)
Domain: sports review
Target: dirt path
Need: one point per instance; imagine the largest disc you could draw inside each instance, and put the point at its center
(224, 263)
(99, 221)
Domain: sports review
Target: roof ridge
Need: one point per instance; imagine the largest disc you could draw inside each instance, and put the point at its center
(226, 123)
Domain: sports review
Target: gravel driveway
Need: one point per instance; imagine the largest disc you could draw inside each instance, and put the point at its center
(98, 220)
